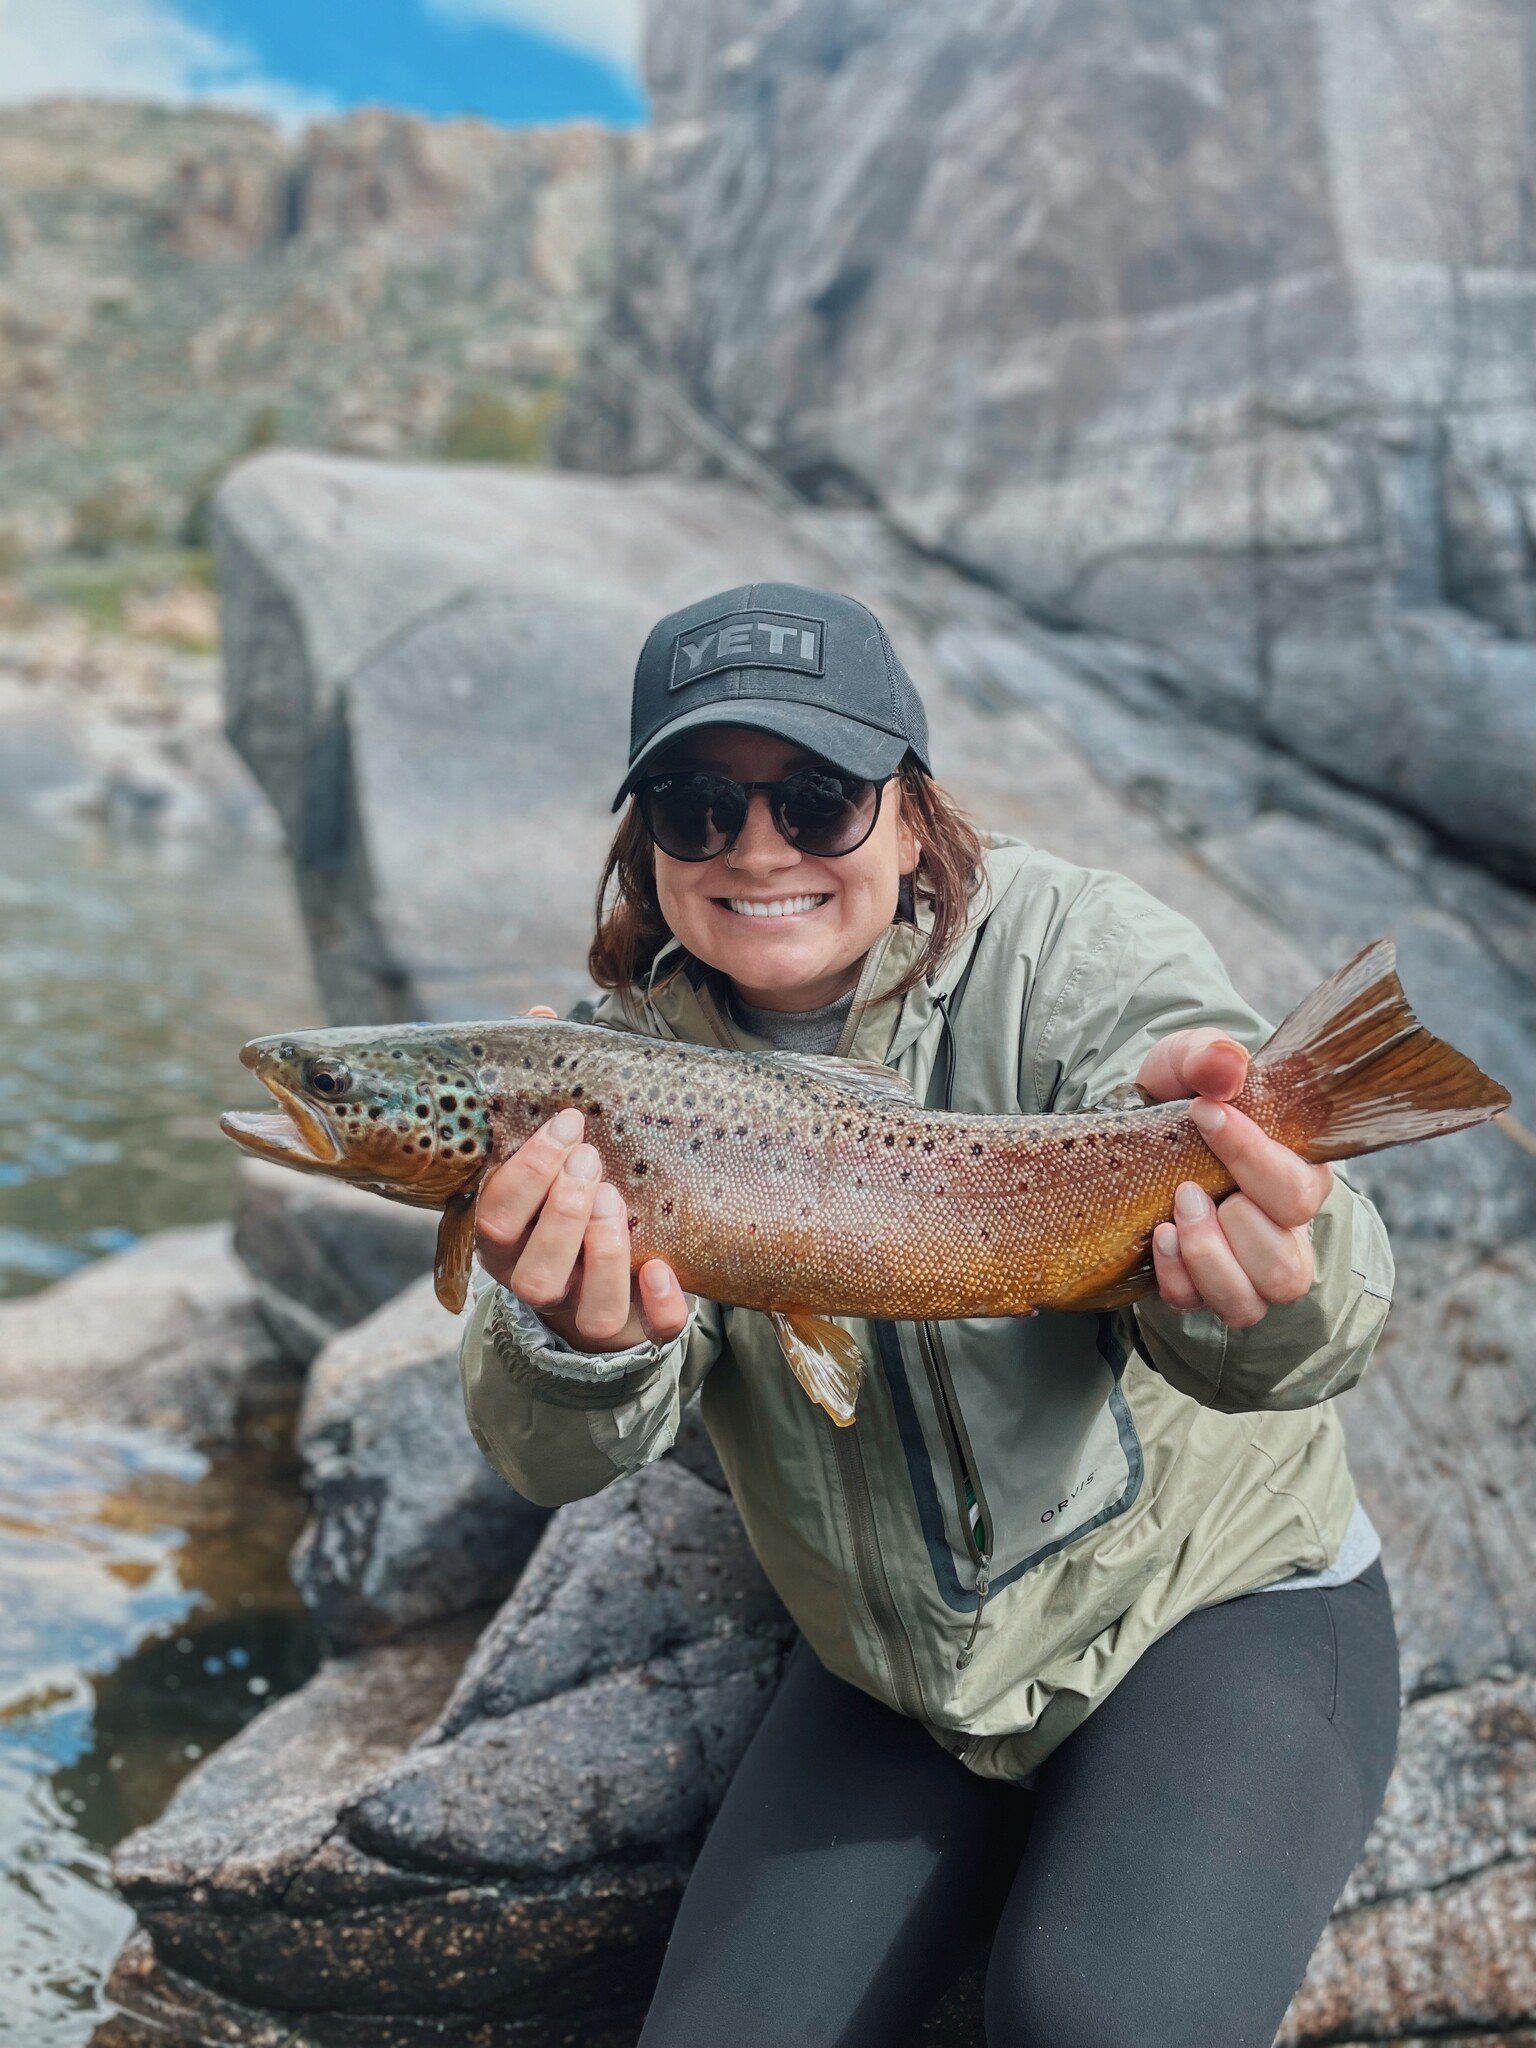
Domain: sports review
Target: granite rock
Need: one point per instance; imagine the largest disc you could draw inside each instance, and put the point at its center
(1204, 324)
(324, 1255)
(409, 1838)
(393, 638)
(165, 1335)
(408, 1523)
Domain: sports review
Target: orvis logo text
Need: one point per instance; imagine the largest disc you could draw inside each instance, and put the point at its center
(747, 640)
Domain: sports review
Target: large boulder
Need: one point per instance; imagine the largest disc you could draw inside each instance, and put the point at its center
(408, 1523)
(1200, 322)
(166, 1335)
(406, 1845)
(428, 669)
(324, 1255)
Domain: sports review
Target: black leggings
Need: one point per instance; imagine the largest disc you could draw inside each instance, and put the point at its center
(1164, 1884)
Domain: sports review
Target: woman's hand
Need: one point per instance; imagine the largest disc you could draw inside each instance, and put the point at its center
(553, 1230)
(1255, 1247)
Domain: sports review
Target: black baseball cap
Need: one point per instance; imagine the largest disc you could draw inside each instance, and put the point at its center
(811, 666)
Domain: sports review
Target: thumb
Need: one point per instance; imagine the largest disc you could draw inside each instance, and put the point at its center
(539, 1010)
(1198, 1062)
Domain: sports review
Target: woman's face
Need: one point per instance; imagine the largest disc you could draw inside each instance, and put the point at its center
(835, 909)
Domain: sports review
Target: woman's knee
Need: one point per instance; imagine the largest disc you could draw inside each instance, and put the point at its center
(1052, 1991)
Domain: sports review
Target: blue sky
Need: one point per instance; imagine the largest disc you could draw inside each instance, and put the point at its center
(509, 60)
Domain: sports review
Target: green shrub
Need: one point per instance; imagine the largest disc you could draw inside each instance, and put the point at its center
(485, 427)
(112, 516)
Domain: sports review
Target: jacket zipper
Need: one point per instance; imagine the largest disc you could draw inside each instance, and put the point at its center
(963, 1467)
(873, 1581)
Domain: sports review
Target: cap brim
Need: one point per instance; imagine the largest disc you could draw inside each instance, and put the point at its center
(845, 742)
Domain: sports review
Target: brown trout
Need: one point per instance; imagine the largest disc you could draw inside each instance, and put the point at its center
(816, 1187)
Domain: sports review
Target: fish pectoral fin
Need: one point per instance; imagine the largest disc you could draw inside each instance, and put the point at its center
(455, 1250)
(823, 1358)
(1115, 1284)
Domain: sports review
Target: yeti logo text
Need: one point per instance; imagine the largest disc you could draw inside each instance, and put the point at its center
(747, 640)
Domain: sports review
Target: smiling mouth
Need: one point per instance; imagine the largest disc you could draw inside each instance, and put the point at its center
(771, 906)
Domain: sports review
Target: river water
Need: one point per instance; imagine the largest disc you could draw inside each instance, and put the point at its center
(145, 1608)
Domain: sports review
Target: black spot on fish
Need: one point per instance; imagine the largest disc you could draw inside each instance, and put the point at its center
(741, 1130)
(1067, 1144)
(642, 1166)
(695, 1144)
(447, 1102)
(927, 1144)
(597, 1110)
(559, 1059)
(890, 1137)
(422, 1109)
(463, 1123)
(467, 1145)
(863, 1131)
(906, 1173)
(527, 1062)
(477, 1052)
(976, 1151)
(397, 1055)
(576, 1091)
(719, 1132)
(374, 1114)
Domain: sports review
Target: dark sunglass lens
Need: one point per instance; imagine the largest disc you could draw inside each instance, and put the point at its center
(825, 812)
(692, 817)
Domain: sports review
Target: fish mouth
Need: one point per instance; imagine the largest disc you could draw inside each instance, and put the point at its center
(294, 1134)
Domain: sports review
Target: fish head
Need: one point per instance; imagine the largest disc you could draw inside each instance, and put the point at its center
(396, 1109)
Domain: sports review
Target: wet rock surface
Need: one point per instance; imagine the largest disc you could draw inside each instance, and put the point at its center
(408, 1523)
(416, 1840)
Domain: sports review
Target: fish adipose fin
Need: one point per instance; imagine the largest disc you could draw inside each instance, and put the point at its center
(1366, 1070)
(455, 1250)
(823, 1358)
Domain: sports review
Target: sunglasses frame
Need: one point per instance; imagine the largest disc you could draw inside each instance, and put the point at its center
(774, 791)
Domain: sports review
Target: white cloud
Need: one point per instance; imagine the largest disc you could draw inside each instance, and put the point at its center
(134, 49)
(609, 29)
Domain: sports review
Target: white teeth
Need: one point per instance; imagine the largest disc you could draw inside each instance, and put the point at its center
(775, 906)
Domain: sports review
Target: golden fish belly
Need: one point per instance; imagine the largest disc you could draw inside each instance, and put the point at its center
(910, 1215)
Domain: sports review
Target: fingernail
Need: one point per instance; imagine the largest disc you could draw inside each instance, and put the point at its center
(584, 1163)
(1189, 1204)
(567, 1126)
(607, 1201)
(1207, 1117)
(1167, 1240)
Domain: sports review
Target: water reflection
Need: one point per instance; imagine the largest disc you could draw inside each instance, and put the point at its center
(149, 1616)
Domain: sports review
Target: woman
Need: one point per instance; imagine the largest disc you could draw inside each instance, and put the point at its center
(1097, 1655)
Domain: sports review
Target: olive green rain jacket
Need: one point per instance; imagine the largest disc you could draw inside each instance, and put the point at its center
(1021, 1505)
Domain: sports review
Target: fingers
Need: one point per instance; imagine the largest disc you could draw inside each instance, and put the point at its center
(1199, 1062)
(604, 1302)
(663, 1303)
(1209, 1261)
(546, 1266)
(1285, 1186)
(1173, 1281)
(539, 1010)
(1277, 1261)
(514, 1193)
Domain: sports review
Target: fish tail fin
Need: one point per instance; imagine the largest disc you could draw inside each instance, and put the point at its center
(1362, 1072)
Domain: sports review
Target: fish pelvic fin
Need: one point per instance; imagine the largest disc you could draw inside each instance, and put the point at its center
(455, 1250)
(1364, 1070)
(823, 1358)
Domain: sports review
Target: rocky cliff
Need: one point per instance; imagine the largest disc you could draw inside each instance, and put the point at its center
(1206, 322)
(173, 281)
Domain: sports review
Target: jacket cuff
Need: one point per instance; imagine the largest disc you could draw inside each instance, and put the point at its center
(532, 1353)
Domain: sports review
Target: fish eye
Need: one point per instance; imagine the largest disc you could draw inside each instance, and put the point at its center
(330, 1078)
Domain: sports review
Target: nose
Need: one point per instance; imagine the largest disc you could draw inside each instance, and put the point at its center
(760, 849)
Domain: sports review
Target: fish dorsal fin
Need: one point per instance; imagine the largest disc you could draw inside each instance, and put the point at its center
(864, 1077)
(455, 1250)
(823, 1358)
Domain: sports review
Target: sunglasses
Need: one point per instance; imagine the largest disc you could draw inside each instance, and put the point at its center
(696, 814)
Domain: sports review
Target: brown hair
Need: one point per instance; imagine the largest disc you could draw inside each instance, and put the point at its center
(631, 930)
